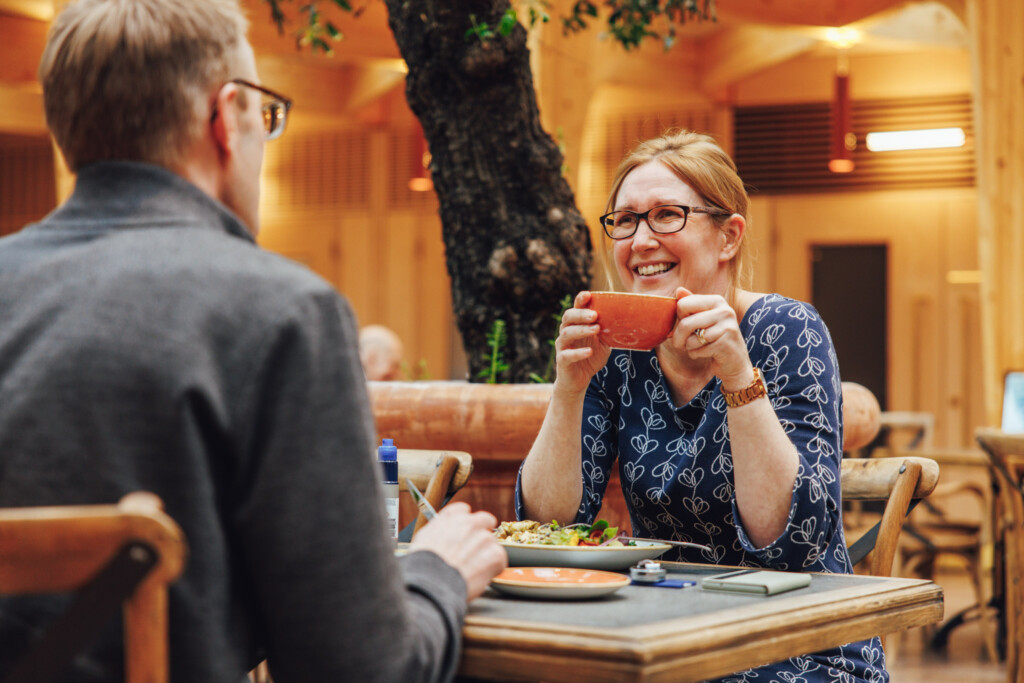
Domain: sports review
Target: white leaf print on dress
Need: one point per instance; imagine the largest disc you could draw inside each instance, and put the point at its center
(658, 496)
(664, 471)
(592, 472)
(633, 471)
(818, 421)
(643, 444)
(697, 506)
(594, 446)
(775, 359)
(723, 492)
(691, 477)
(772, 334)
(651, 419)
(809, 338)
(811, 367)
(815, 393)
(655, 391)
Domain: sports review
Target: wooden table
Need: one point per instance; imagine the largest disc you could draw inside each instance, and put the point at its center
(643, 633)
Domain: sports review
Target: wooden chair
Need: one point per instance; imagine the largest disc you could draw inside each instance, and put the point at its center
(897, 481)
(438, 474)
(955, 524)
(1006, 452)
(100, 551)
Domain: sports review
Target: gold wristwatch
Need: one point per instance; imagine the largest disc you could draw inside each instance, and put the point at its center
(751, 392)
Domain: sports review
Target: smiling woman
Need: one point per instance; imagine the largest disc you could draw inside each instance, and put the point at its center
(729, 432)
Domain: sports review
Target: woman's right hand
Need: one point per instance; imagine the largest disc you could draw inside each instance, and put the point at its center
(578, 352)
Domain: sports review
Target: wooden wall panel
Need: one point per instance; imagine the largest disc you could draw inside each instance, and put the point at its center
(416, 291)
(358, 252)
(27, 191)
(933, 336)
(997, 56)
(338, 202)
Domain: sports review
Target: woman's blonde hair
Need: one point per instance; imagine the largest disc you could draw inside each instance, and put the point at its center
(702, 164)
(131, 79)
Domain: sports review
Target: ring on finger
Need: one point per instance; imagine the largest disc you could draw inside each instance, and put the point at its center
(699, 334)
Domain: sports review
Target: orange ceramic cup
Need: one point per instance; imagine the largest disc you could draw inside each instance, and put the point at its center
(633, 321)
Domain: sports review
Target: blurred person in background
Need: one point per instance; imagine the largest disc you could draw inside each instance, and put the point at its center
(380, 351)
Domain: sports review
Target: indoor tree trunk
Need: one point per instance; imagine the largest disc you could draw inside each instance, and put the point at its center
(515, 243)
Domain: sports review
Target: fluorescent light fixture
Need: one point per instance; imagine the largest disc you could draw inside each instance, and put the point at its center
(933, 138)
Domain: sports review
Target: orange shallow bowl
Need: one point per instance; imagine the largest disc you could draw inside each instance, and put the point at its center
(633, 321)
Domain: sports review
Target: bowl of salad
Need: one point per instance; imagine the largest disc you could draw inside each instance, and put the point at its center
(586, 546)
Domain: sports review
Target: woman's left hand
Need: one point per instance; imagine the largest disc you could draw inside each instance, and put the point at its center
(719, 339)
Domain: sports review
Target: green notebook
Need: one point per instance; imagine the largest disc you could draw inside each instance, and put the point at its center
(761, 582)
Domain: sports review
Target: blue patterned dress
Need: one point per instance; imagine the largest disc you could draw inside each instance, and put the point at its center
(675, 465)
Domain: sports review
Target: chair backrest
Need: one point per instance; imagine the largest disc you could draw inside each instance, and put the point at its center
(437, 474)
(897, 481)
(78, 548)
(1006, 452)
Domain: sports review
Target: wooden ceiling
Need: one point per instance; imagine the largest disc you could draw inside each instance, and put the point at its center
(810, 12)
(362, 78)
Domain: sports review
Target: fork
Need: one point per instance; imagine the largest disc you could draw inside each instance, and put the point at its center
(681, 544)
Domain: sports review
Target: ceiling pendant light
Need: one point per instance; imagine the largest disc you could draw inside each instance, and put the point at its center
(842, 139)
(422, 182)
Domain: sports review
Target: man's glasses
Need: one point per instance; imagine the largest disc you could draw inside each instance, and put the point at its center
(274, 107)
(664, 219)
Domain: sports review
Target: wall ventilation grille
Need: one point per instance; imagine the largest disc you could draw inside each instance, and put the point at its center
(785, 149)
(324, 171)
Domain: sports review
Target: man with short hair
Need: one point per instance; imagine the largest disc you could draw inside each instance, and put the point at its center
(147, 343)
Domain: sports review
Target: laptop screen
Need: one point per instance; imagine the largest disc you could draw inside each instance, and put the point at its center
(1013, 403)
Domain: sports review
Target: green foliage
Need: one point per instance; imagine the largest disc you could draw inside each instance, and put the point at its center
(316, 31)
(629, 22)
(495, 357)
(483, 31)
(549, 370)
(497, 369)
(508, 22)
(420, 372)
(537, 10)
(560, 140)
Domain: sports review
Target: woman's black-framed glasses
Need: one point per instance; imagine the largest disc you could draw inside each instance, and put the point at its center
(274, 108)
(664, 219)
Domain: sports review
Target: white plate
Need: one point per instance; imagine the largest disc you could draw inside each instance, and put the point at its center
(557, 583)
(585, 557)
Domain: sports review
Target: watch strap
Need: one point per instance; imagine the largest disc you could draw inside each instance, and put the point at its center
(751, 392)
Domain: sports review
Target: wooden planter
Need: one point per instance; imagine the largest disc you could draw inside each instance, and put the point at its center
(497, 424)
